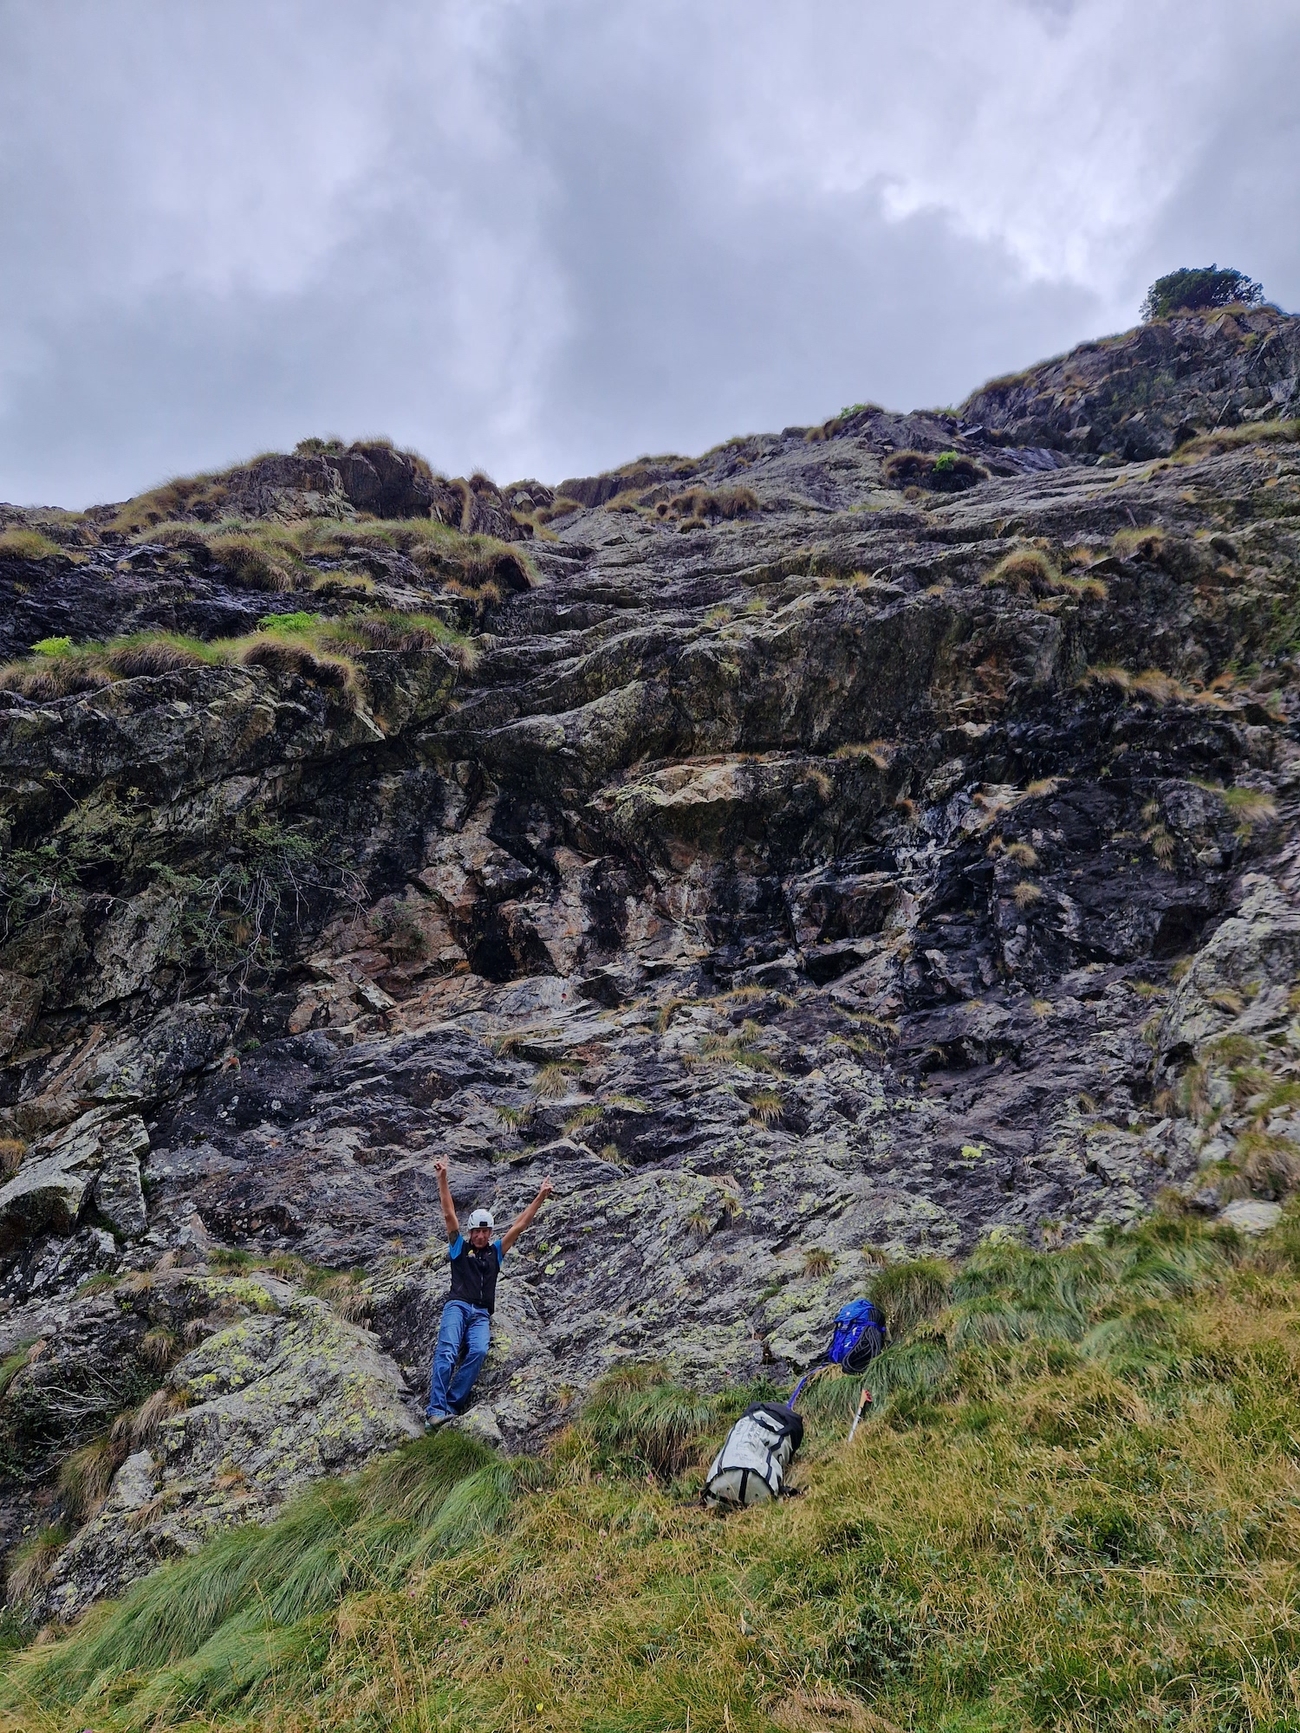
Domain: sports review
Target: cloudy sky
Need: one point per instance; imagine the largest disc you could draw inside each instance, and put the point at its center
(543, 236)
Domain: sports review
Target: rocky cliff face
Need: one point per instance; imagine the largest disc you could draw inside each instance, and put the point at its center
(849, 843)
(1143, 394)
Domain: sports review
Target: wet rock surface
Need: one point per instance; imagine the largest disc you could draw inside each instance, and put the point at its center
(810, 865)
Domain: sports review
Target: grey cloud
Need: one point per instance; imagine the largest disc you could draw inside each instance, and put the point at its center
(544, 237)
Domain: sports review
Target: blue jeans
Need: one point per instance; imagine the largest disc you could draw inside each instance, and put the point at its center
(464, 1335)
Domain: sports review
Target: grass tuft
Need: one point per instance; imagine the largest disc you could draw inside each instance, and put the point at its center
(21, 544)
(31, 1562)
(86, 1474)
(766, 1105)
(555, 1079)
(1249, 806)
(1234, 438)
(637, 1418)
(328, 652)
(742, 1048)
(912, 1290)
(431, 1499)
(1031, 572)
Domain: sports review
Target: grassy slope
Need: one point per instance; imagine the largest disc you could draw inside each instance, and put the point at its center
(1076, 1506)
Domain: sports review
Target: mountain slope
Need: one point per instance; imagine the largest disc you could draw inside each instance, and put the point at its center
(1146, 392)
(842, 845)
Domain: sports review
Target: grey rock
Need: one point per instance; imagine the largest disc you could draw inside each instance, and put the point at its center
(56, 1264)
(95, 1155)
(134, 1483)
(1251, 1215)
(481, 1423)
(1203, 376)
(20, 999)
(109, 1551)
(47, 1195)
(285, 1393)
(1256, 952)
(119, 1195)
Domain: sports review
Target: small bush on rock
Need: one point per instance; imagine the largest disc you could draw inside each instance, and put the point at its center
(1026, 572)
(558, 508)
(948, 472)
(1195, 289)
(45, 685)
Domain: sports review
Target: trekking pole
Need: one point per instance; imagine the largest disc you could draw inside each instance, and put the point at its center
(864, 1401)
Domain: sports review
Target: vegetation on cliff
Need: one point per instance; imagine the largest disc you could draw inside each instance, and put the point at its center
(1194, 289)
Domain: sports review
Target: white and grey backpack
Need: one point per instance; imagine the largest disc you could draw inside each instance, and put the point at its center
(751, 1466)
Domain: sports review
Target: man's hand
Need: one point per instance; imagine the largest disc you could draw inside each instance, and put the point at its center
(517, 1227)
(444, 1196)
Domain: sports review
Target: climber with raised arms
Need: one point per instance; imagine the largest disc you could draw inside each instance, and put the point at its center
(466, 1329)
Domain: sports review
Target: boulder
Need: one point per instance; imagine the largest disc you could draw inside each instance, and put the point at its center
(1251, 1215)
(285, 1393)
(98, 1155)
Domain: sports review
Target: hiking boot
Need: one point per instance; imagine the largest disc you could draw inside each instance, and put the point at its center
(438, 1418)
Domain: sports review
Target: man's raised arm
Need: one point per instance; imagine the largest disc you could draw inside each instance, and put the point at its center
(444, 1194)
(517, 1226)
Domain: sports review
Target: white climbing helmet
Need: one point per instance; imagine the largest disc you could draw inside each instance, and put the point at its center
(482, 1218)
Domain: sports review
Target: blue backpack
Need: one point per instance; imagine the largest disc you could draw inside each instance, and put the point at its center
(859, 1336)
